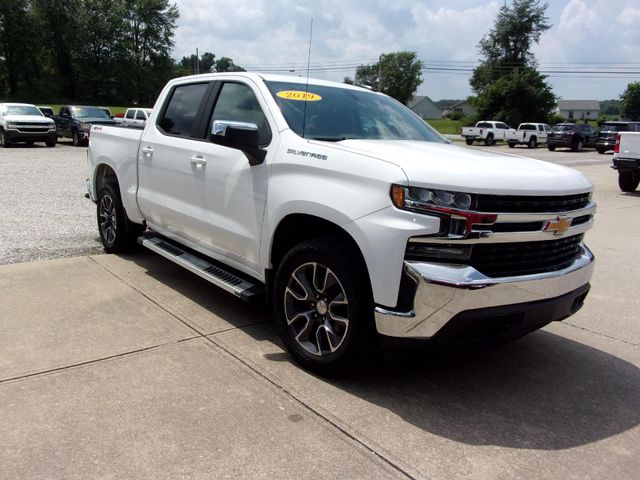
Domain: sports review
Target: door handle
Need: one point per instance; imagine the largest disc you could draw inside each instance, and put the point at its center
(198, 161)
(147, 152)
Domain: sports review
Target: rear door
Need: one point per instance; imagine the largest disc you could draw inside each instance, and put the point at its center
(164, 164)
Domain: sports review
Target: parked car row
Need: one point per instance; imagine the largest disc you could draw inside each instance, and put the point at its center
(26, 123)
(562, 135)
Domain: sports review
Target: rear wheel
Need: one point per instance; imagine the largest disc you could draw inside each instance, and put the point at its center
(601, 151)
(489, 140)
(533, 143)
(469, 141)
(324, 307)
(117, 232)
(577, 147)
(628, 181)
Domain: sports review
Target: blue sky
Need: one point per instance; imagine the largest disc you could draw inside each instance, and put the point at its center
(587, 35)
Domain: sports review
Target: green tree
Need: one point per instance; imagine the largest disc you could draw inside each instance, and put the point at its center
(397, 74)
(507, 83)
(147, 39)
(630, 101)
(17, 54)
(225, 64)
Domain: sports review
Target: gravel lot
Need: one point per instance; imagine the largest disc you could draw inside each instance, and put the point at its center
(42, 205)
(45, 215)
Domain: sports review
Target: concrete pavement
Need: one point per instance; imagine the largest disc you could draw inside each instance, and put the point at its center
(130, 367)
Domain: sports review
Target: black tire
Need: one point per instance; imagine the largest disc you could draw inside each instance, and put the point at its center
(469, 141)
(628, 181)
(75, 139)
(533, 142)
(310, 316)
(51, 144)
(601, 151)
(4, 143)
(117, 233)
(511, 145)
(489, 140)
(551, 147)
(577, 146)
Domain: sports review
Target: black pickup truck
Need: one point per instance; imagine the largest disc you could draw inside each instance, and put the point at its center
(75, 122)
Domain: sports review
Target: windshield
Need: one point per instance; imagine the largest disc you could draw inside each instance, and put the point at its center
(88, 112)
(563, 128)
(335, 114)
(614, 127)
(21, 110)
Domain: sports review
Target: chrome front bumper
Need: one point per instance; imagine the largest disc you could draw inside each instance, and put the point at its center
(444, 291)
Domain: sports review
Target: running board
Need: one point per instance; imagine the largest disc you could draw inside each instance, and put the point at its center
(212, 273)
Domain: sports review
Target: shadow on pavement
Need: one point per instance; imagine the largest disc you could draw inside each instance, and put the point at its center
(543, 392)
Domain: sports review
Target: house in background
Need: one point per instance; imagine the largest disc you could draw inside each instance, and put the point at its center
(463, 108)
(578, 109)
(424, 107)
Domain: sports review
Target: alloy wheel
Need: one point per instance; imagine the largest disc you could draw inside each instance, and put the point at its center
(108, 224)
(316, 308)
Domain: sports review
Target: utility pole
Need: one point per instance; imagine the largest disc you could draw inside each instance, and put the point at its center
(197, 61)
(380, 73)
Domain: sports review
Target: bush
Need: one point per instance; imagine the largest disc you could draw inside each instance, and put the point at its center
(601, 120)
(556, 118)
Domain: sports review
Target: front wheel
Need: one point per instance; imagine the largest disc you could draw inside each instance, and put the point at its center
(551, 147)
(469, 141)
(117, 232)
(4, 143)
(511, 145)
(601, 151)
(628, 181)
(324, 307)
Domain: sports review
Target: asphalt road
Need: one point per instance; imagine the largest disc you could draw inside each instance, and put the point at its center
(131, 367)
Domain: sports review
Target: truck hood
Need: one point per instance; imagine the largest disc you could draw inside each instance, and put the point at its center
(28, 118)
(449, 167)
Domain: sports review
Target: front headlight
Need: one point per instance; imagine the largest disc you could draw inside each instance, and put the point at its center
(12, 125)
(455, 209)
(85, 126)
(413, 198)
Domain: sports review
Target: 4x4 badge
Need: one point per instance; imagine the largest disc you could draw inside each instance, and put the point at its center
(559, 226)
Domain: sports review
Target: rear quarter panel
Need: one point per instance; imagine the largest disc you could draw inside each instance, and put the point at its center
(117, 147)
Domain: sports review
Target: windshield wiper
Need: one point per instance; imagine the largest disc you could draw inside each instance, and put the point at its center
(330, 139)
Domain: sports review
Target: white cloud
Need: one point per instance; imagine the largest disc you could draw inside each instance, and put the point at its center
(275, 34)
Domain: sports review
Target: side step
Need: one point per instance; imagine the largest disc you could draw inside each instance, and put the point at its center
(212, 273)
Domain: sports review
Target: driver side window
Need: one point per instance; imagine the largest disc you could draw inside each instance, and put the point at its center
(237, 102)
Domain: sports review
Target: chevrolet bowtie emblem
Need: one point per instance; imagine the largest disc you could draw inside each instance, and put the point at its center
(559, 226)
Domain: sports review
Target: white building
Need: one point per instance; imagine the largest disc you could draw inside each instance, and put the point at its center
(578, 109)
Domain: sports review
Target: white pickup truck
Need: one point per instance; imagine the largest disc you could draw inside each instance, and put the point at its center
(340, 206)
(626, 160)
(488, 131)
(529, 134)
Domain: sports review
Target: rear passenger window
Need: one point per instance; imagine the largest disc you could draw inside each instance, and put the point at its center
(180, 113)
(130, 113)
(237, 103)
(140, 115)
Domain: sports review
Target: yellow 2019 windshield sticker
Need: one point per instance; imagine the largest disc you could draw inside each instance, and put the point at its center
(299, 95)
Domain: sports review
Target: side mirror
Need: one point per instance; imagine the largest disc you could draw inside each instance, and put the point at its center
(239, 135)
